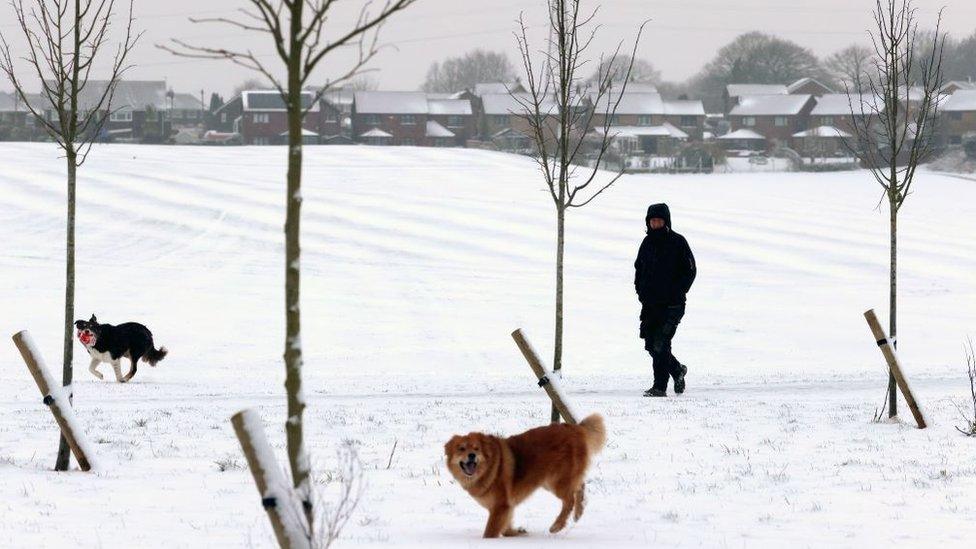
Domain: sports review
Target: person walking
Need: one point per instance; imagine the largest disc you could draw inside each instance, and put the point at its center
(664, 272)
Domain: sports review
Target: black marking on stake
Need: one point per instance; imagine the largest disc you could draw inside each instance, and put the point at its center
(269, 503)
(48, 400)
(543, 381)
(307, 506)
(886, 341)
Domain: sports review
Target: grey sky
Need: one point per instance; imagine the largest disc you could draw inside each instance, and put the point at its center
(682, 36)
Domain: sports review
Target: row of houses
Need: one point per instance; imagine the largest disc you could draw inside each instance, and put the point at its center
(770, 117)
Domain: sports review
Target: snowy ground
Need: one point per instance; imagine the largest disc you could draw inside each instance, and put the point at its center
(418, 263)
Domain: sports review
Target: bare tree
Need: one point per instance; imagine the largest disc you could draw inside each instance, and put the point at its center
(640, 70)
(559, 109)
(970, 417)
(299, 33)
(64, 40)
(893, 117)
(464, 72)
(849, 65)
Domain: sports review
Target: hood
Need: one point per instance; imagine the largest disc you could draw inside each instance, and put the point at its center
(658, 210)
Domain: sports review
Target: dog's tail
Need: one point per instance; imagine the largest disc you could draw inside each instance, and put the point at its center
(596, 432)
(154, 356)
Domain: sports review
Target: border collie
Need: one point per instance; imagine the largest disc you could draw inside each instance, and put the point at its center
(107, 343)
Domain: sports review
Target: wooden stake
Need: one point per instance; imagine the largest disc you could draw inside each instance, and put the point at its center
(546, 379)
(277, 495)
(55, 400)
(894, 365)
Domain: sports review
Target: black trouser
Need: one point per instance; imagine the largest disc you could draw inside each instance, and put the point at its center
(659, 323)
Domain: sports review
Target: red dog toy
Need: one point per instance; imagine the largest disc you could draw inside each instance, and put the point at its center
(85, 337)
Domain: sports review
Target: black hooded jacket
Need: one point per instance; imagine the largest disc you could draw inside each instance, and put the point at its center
(665, 267)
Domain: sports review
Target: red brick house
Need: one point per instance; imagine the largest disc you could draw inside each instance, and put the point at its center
(264, 119)
(775, 117)
(412, 118)
(958, 117)
(834, 110)
(643, 109)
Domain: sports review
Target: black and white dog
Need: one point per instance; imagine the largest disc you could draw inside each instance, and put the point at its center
(107, 343)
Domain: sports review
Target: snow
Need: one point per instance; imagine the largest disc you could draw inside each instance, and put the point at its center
(961, 101)
(664, 130)
(434, 129)
(386, 102)
(743, 134)
(822, 131)
(417, 265)
(740, 90)
(768, 105)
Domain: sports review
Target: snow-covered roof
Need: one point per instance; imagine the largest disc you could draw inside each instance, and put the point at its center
(683, 107)
(743, 134)
(449, 106)
(803, 82)
(271, 100)
(186, 101)
(770, 105)
(636, 87)
(495, 88)
(961, 101)
(385, 102)
(375, 132)
(822, 131)
(739, 90)
(839, 104)
(305, 133)
(959, 85)
(664, 130)
(436, 130)
(503, 103)
(339, 97)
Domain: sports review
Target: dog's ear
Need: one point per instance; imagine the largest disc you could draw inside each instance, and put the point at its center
(93, 320)
(79, 324)
(451, 444)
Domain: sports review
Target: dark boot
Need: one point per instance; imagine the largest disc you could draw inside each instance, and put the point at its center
(679, 380)
(652, 392)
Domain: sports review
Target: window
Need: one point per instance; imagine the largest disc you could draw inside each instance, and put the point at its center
(406, 142)
(615, 120)
(455, 121)
(408, 120)
(331, 116)
(223, 118)
(781, 121)
(827, 121)
(643, 120)
(688, 121)
(121, 116)
(372, 120)
(260, 140)
(749, 121)
(261, 118)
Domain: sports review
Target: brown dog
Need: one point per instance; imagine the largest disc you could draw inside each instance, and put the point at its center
(501, 473)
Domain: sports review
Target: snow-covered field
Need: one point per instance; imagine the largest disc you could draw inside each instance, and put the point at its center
(418, 263)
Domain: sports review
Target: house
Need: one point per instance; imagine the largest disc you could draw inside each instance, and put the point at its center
(952, 87)
(651, 110)
(17, 123)
(185, 109)
(264, 118)
(633, 142)
(226, 119)
(733, 92)
(775, 117)
(139, 110)
(808, 86)
(412, 118)
(336, 109)
(958, 117)
(504, 123)
(834, 110)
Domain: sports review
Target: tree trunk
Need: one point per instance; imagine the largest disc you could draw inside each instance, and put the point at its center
(557, 361)
(892, 303)
(297, 456)
(64, 451)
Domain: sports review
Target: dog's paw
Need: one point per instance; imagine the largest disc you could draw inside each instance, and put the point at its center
(557, 527)
(515, 532)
